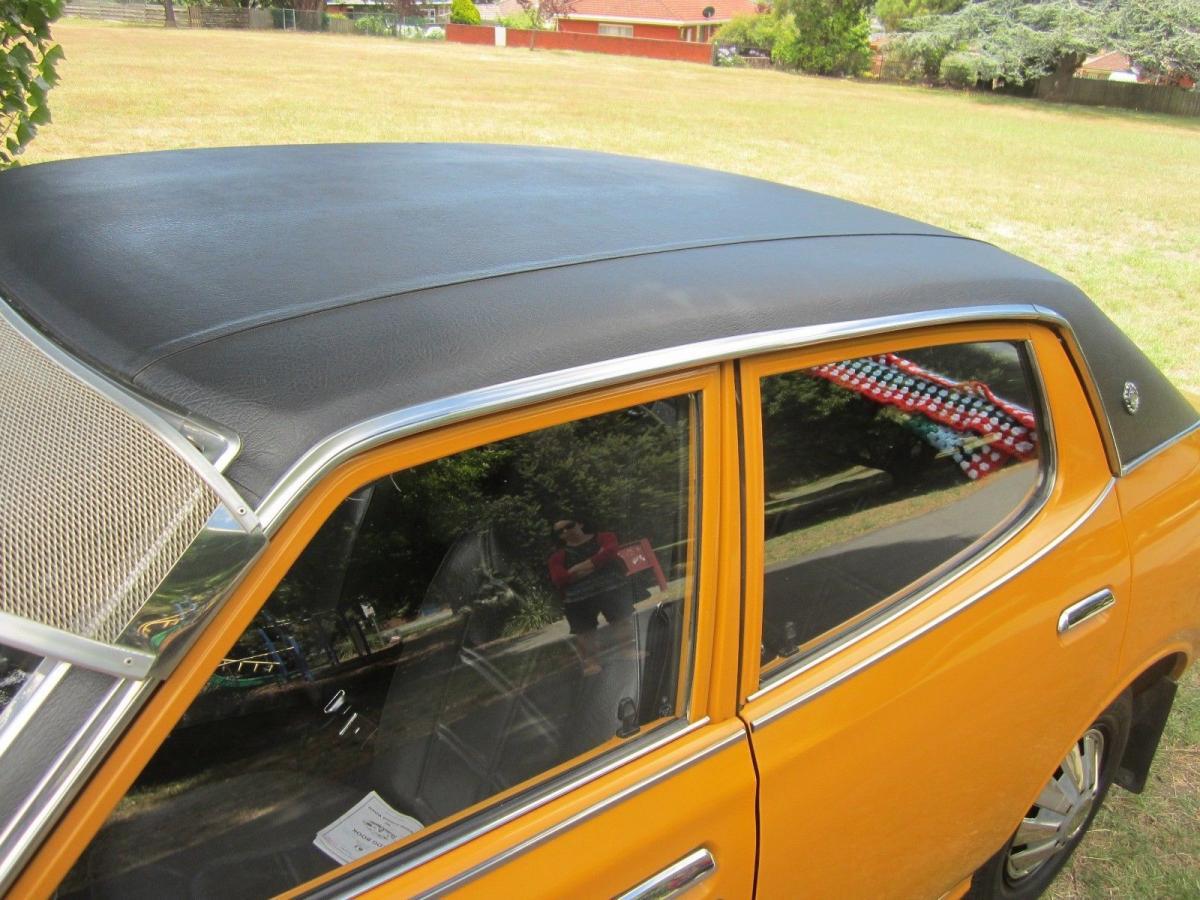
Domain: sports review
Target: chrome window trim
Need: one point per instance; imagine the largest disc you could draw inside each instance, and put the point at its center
(582, 816)
(66, 775)
(148, 413)
(1161, 448)
(45, 640)
(29, 700)
(987, 546)
(766, 718)
(342, 446)
(452, 837)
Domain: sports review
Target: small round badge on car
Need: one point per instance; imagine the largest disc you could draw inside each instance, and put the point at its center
(1131, 397)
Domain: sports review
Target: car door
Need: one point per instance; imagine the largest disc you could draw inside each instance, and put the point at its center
(402, 699)
(921, 508)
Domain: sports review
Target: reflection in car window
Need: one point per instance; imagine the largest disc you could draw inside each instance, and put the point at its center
(880, 470)
(15, 668)
(451, 632)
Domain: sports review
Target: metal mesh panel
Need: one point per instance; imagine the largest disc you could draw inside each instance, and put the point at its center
(94, 508)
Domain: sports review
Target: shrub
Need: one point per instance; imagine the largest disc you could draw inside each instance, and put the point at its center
(743, 31)
(376, 25)
(464, 12)
(965, 70)
(28, 58)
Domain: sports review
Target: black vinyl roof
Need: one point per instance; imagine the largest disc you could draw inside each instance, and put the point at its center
(290, 292)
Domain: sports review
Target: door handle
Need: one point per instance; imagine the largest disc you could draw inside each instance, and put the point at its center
(1087, 608)
(675, 878)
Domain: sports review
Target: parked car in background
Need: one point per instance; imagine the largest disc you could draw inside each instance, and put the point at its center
(407, 520)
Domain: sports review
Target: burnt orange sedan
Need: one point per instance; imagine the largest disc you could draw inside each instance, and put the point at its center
(404, 520)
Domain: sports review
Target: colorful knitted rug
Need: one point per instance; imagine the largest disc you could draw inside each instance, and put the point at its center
(965, 420)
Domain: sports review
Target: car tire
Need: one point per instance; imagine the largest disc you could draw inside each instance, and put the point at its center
(1056, 823)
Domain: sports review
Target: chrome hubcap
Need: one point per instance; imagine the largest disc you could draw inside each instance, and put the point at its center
(1060, 811)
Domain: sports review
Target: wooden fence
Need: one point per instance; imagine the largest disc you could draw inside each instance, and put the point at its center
(153, 14)
(1143, 97)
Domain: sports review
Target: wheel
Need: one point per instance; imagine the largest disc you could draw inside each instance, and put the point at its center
(1055, 824)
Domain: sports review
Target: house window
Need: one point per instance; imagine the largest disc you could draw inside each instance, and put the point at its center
(687, 34)
(616, 30)
(880, 471)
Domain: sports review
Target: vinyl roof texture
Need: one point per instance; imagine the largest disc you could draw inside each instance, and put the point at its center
(291, 292)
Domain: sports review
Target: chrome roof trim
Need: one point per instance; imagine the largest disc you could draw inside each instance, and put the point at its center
(50, 642)
(1089, 384)
(1161, 448)
(469, 875)
(148, 413)
(65, 776)
(1004, 532)
(345, 444)
(379, 873)
(770, 716)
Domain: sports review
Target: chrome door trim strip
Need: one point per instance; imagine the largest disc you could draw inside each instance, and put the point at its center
(675, 879)
(340, 447)
(582, 816)
(1087, 608)
(1161, 448)
(66, 775)
(380, 872)
(766, 718)
(1048, 477)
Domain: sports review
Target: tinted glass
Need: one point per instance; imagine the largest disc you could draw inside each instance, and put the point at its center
(881, 470)
(453, 631)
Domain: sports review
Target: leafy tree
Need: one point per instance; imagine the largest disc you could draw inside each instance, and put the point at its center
(1161, 36)
(1022, 40)
(542, 13)
(464, 12)
(28, 58)
(760, 32)
(829, 37)
(825, 37)
(894, 12)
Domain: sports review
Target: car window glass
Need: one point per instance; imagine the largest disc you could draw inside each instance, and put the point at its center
(880, 470)
(15, 668)
(451, 632)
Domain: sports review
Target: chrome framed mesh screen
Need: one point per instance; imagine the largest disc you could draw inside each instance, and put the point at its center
(95, 509)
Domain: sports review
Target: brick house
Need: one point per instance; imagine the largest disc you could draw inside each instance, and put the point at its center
(670, 20)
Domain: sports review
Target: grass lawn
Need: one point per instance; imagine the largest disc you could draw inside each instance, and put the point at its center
(1108, 199)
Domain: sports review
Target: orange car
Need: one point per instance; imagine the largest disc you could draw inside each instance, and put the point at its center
(415, 520)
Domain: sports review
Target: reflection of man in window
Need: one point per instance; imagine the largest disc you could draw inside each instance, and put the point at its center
(591, 579)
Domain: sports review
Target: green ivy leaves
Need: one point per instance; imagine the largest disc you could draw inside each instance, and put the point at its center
(28, 70)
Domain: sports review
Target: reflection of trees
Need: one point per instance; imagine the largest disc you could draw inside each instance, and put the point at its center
(622, 472)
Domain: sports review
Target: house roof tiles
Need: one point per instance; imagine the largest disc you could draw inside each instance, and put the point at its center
(666, 10)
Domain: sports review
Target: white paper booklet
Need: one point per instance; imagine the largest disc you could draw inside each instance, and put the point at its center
(368, 825)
